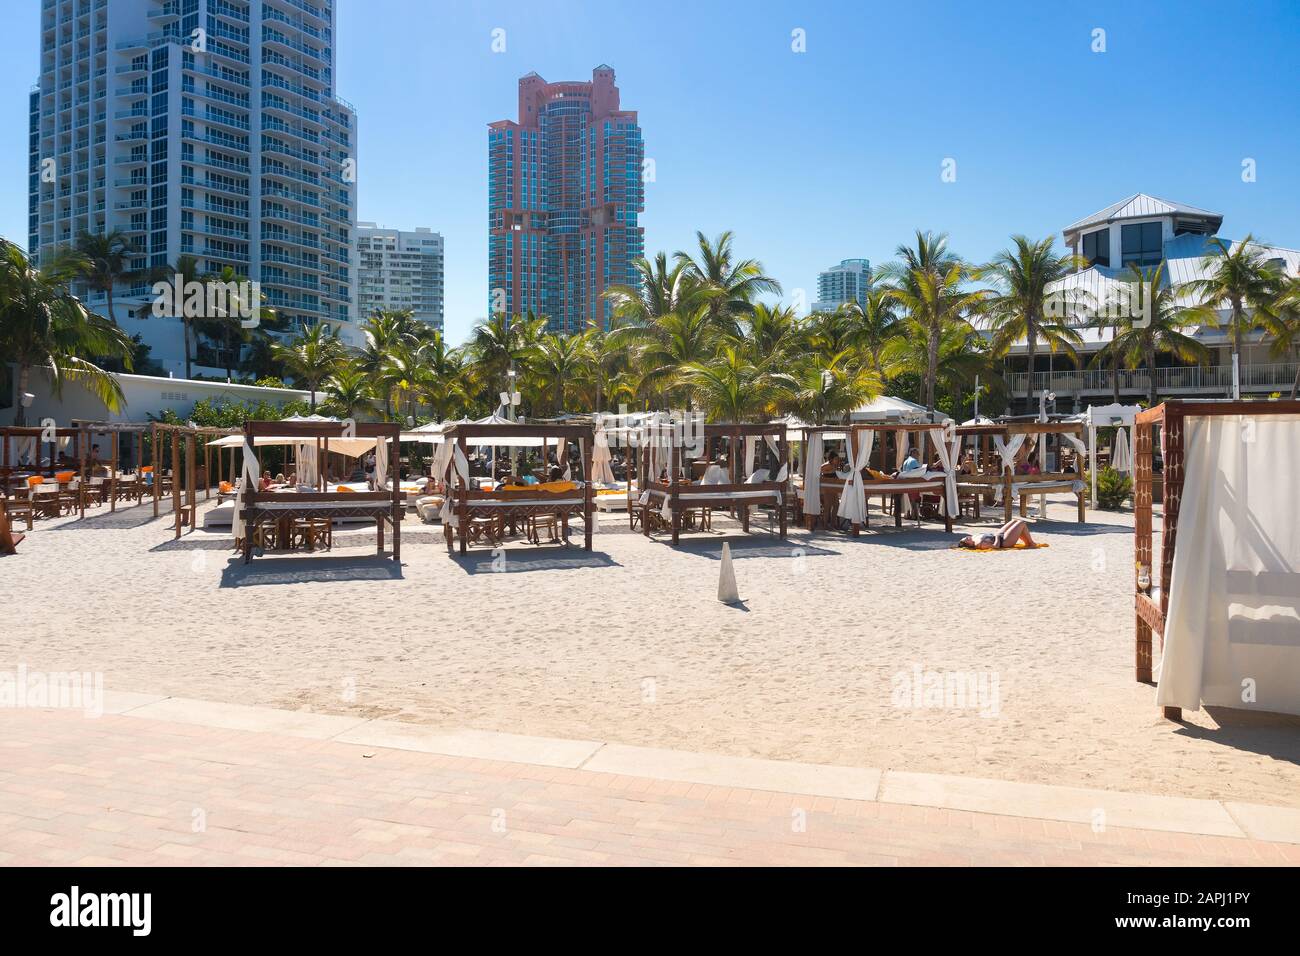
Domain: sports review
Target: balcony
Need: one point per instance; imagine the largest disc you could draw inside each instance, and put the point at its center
(1192, 380)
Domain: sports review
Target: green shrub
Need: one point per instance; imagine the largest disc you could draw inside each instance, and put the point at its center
(1113, 489)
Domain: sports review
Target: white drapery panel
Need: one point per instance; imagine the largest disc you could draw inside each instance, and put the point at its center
(250, 473)
(1232, 638)
(751, 447)
(381, 464)
(308, 463)
(853, 499)
(812, 476)
(949, 456)
(1007, 451)
(601, 468)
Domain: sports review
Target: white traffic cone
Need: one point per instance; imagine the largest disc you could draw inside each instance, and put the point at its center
(728, 593)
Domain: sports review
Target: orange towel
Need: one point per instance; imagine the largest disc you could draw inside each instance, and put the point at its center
(1018, 546)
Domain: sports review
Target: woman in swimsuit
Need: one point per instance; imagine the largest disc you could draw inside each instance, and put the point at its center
(1006, 537)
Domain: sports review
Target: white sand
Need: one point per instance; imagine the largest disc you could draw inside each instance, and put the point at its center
(630, 645)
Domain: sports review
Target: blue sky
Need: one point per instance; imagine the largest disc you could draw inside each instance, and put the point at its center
(818, 156)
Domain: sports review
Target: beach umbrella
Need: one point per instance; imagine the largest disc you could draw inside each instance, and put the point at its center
(600, 459)
(1121, 460)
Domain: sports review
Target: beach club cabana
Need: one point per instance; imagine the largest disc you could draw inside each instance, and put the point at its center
(32, 478)
(997, 449)
(672, 451)
(484, 510)
(1121, 418)
(1226, 597)
(258, 513)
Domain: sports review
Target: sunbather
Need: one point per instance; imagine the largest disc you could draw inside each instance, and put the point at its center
(1006, 537)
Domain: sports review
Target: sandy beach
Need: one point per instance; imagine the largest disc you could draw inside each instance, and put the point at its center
(841, 653)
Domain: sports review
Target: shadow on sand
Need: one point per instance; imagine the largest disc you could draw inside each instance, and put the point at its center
(307, 568)
(1268, 734)
(521, 559)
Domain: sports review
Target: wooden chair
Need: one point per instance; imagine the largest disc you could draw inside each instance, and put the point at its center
(18, 508)
(313, 532)
(537, 523)
(486, 530)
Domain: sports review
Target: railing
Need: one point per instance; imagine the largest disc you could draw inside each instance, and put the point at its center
(1273, 377)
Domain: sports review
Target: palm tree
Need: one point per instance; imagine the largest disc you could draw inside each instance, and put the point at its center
(1284, 326)
(312, 356)
(659, 290)
(42, 325)
(822, 389)
(664, 347)
(445, 387)
(227, 327)
(1026, 307)
(872, 323)
(386, 331)
(770, 333)
(500, 343)
(105, 263)
(1237, 278)
(731, 388)
(185, 270)
(729, 287)
(348, 391)
(557, 362)
(928, 285)
(1157, 330)
(962, 358)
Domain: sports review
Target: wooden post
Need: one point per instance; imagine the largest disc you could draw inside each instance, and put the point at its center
(674, 494)
(207, 473)
(154, 458)
(784, 449)
(112, 472)
(191, 481)
(394, 470)
(587, 513)
(176, 483)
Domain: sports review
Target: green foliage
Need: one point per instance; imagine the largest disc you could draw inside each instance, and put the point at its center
(1113, 489)
(227, 414)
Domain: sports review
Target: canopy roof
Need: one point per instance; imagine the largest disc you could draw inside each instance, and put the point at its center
(890, 408)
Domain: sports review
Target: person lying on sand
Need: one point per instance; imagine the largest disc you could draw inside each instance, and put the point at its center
(1006, 537)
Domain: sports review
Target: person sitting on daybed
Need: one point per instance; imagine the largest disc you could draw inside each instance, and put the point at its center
(1006, 537)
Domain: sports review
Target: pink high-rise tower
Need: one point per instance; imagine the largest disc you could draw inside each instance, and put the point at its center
(564, 196)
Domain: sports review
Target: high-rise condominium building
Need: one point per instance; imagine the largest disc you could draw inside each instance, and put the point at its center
(399, 270)
(204, 128)
(565, 191)
(846, 282)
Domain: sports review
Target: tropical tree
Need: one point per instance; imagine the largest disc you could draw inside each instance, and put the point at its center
(663, 348)
(821, 388)
(1239, 279)
(1026, 307)
(556, 363)
(184, 270)
(228, 327)
(104, 263)
(1155, 328)
(1284, 326)
(730, 387)
(728, 287)
(963, 357)
(42, 325)
(348, 391)
(500, 343)
(872, 323)
(312, 356)
(928, 284)
(771, 333)
(660, 289)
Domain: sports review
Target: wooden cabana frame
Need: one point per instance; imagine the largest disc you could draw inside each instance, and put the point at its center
(113, 432)
(736, 493)
(990, 473)
(9, 465)
(1152, 610)
(467, 504)
(898, 487)
(259, 507)
(184, 481)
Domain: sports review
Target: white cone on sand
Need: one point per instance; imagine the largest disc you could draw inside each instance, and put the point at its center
(728, 593)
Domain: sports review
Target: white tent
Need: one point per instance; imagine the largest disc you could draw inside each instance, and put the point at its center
(890, 408)
(1104, 416)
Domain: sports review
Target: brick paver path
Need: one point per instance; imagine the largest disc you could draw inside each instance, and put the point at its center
(130, 790)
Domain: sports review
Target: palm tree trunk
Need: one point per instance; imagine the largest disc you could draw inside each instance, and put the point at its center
(24, 377)
(931, 368)
(109, 294)
(1151, 376)
(1031, 352)
(1236, 336)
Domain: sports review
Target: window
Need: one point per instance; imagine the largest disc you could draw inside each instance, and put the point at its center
(1141, 244)
(1096, 247)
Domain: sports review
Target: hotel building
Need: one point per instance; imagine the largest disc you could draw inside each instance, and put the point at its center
(399, 270)
(565, 194)
(204, 128)
(846, 282)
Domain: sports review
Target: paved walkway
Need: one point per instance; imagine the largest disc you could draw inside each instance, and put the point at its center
(134, 788)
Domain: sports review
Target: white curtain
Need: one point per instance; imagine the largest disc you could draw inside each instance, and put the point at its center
(250, 475)
(812, 476)
(1007, 452)
(751, 446)
(853, 499)
(381, 464)
(1232, 638)
(305, 457)
(949, 456)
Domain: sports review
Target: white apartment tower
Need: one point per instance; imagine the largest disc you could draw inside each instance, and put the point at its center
(204, 128)
(397, 269)
(847, 282)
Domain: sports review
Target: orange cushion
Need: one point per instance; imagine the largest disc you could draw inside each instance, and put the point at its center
(345, 489)
(146, 470)
(225, 486)
(63, 476)
(34, 480)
